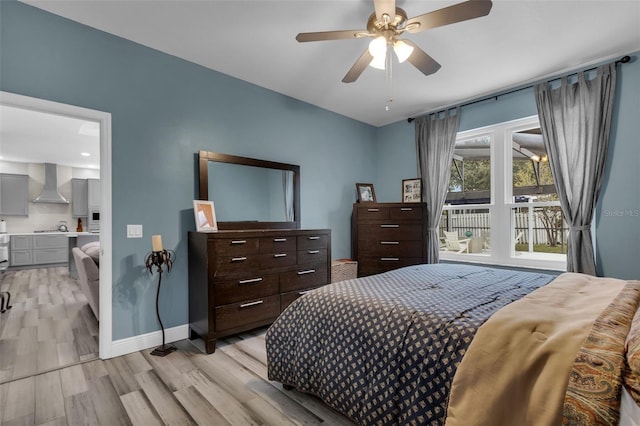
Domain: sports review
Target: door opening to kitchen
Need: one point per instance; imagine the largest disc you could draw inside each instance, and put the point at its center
(50, 240)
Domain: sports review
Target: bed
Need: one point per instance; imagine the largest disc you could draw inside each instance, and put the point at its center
(457, 344)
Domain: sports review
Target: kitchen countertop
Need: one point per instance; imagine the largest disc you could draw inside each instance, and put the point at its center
(66, 234)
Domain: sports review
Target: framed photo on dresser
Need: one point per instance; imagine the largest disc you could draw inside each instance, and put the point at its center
(366, 194)
(205, 216)
(412, 190)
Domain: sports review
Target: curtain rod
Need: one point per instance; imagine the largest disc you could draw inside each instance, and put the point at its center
(622, 60)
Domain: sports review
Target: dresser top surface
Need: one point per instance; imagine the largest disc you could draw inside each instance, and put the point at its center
(258, 232)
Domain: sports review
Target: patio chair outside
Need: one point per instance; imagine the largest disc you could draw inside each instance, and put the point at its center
(453, 243)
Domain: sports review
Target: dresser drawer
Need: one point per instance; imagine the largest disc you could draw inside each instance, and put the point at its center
(287, 298)
(391, 231)
(315, 241)
(312, 256)
(405, 213)
(393, 248)
(368, 265)
(277, 244)
(251, 287)
(247, 312)
(373, 213)
(277, 260)
(240, 264)
(233, 246)
(303, 279)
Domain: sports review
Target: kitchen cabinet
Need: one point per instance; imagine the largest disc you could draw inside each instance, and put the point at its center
(29, 250)
(93, 194)
(79, 198)
(14, 195)
(85, 196)
(21, 247)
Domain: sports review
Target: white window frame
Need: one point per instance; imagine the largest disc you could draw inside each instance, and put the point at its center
(500, 209)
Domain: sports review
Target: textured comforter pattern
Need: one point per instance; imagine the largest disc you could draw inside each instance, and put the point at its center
(596, 379)
(383, 349)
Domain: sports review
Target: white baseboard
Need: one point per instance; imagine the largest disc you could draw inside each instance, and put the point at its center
(149, 340)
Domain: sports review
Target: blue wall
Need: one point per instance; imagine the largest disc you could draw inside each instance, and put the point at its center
(618, 210)
(163, 111)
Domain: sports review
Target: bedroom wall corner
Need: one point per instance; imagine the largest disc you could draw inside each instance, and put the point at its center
(618, 209)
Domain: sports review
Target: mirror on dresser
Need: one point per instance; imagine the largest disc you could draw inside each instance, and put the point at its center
(260, 260)
(249, 193)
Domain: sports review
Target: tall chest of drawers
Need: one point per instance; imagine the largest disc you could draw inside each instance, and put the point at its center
(387, 236)
(240, 280)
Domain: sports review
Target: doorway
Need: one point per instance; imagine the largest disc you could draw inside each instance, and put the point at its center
(103, 119)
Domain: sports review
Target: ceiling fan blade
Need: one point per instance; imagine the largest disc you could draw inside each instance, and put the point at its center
(458, 12)
(419, 59)
(385, 7)
(330, 35)
(357, 68)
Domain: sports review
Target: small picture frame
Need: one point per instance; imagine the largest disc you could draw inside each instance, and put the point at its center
(205, 216)
(366, 194)
(412, 190)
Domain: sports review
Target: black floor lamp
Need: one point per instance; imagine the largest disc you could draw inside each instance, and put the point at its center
(158, 257)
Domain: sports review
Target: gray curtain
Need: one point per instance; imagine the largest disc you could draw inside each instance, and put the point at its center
(576, 120)
(435, 142)
(287, 187)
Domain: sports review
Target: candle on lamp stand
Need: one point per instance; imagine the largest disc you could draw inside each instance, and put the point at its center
(156, 242)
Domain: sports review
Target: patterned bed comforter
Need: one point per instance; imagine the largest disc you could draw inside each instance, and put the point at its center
(383, 349)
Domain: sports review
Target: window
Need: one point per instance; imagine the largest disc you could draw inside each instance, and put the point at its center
(502, 205)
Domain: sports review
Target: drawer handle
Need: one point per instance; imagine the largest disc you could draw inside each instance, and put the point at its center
(406, 209)
(280, 255)
(390, 242)
(389, 226)
(239, 242)
(308, 271)
(373, 210)
(389, 259)
(279, 240)
(303, 292)
(250, 281)
(246, 305)
(314, 238)
(238, 259)
(313, 251)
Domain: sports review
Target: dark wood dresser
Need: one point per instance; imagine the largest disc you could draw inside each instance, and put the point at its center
(387, 236)
(239, 280)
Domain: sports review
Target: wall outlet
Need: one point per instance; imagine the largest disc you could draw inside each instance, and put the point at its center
(134, 231)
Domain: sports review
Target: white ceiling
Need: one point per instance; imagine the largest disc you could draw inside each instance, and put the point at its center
(517, 43)
(35, 137)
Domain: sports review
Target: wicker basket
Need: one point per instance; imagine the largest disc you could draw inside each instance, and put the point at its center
(343, 269)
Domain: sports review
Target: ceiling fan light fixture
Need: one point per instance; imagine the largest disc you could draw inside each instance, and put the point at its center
(403, 50)
(378, 47)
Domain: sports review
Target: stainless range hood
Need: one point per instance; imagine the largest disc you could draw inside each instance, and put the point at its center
(50, 192)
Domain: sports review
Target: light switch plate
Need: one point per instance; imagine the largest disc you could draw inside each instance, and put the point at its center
(134, 231)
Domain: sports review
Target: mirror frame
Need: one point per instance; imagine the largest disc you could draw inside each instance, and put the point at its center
(204, 157)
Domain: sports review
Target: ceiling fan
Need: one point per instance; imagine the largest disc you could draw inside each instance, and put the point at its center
(388, 23)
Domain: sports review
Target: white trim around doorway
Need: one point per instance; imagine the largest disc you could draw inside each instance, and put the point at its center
(104, 119)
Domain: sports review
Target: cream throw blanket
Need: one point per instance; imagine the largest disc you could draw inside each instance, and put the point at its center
(516, 370)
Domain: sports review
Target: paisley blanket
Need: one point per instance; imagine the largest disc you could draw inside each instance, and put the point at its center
(601, 366)
(384, 349)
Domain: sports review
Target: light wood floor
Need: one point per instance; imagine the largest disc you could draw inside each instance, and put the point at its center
(50, 324)
(228, 387)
